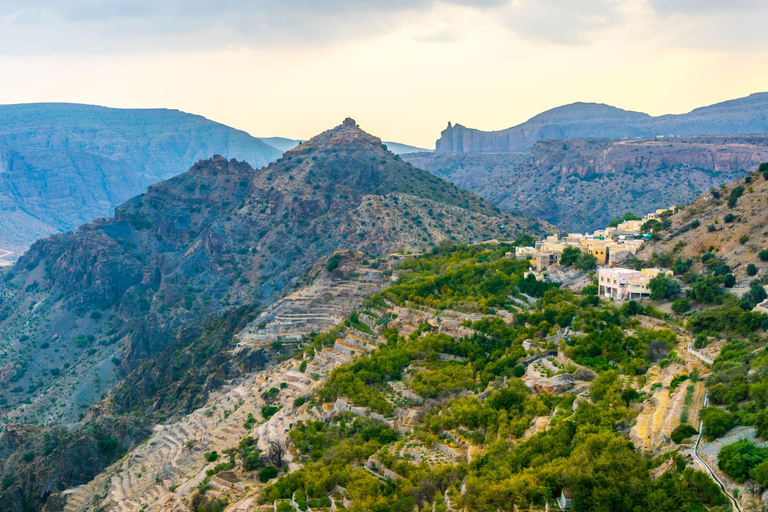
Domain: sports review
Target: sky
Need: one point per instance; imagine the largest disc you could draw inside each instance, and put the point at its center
(402, 68)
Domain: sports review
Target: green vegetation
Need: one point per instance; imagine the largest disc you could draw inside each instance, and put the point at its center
(583, 448)
(683, 432)
(663, 287)
(741, 459)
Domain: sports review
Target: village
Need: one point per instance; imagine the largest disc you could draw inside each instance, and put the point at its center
(611, 247)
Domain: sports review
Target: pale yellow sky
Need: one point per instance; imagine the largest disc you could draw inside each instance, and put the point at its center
(409, 73)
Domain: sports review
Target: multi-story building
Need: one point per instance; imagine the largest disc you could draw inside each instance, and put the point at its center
(625, 283)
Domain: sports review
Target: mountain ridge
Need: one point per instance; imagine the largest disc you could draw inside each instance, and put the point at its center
(582, 120)
(63, 164)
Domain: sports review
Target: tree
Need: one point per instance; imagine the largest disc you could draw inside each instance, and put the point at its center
(681, 266)
(586, 261)
(729, 280)
(736, 193)
(569, 256)
(268, 473)
(705, 289)
(276, 453)
(756, 293)
(751, 270)
(524, 240)
(716, 422)
(606, 384)
(763, 255)
(663, 287)
(760, 474)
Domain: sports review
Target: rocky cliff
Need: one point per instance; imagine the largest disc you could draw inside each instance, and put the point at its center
(583, 184)
(65, 164)
(597, 121)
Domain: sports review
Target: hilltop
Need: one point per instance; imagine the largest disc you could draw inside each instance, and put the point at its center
(600, 121)
(580, 185)
(285, 144)
(62, 164)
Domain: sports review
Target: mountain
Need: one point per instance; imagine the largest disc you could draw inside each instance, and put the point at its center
(598, 121)
(284, 144)
(65, 164)
(117, 290)
(581, 185)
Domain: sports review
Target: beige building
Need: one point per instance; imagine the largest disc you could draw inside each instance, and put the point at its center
(626, 284)
(544, 259)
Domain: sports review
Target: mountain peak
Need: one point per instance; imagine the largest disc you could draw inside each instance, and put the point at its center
(346, 136)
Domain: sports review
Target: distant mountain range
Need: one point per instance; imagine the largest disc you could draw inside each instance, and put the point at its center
(598, 121)
(284, 144)
(62, 165)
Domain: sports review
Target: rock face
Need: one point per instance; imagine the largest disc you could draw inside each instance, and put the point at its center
(65, 164)
(82, 308)
(598, 121)
(581, 185)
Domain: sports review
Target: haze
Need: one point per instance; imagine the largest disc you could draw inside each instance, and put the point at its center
(401, 68)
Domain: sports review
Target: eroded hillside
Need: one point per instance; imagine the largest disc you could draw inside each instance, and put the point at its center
(580, 185)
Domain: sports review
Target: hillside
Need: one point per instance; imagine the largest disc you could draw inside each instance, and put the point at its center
(62, 165)
(462, 386)
(117, 290)
(599, 121)
(735, 231)
(567, 182)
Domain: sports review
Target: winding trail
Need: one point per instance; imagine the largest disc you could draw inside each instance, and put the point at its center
(709, 469)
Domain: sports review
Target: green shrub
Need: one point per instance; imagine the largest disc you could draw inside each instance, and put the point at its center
(268, 411)
(268, 473)
(680, 306)
(736, 193)
(212, 456)
(763, 255)
(739, 459)
(683, 432)
(751, 270)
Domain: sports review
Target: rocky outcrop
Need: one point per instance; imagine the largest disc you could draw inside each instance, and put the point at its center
(598, 121)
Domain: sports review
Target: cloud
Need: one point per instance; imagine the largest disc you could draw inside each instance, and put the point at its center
(563, 21)
(441, 35)
(42, 26)
(132, 26)
(699, 7)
